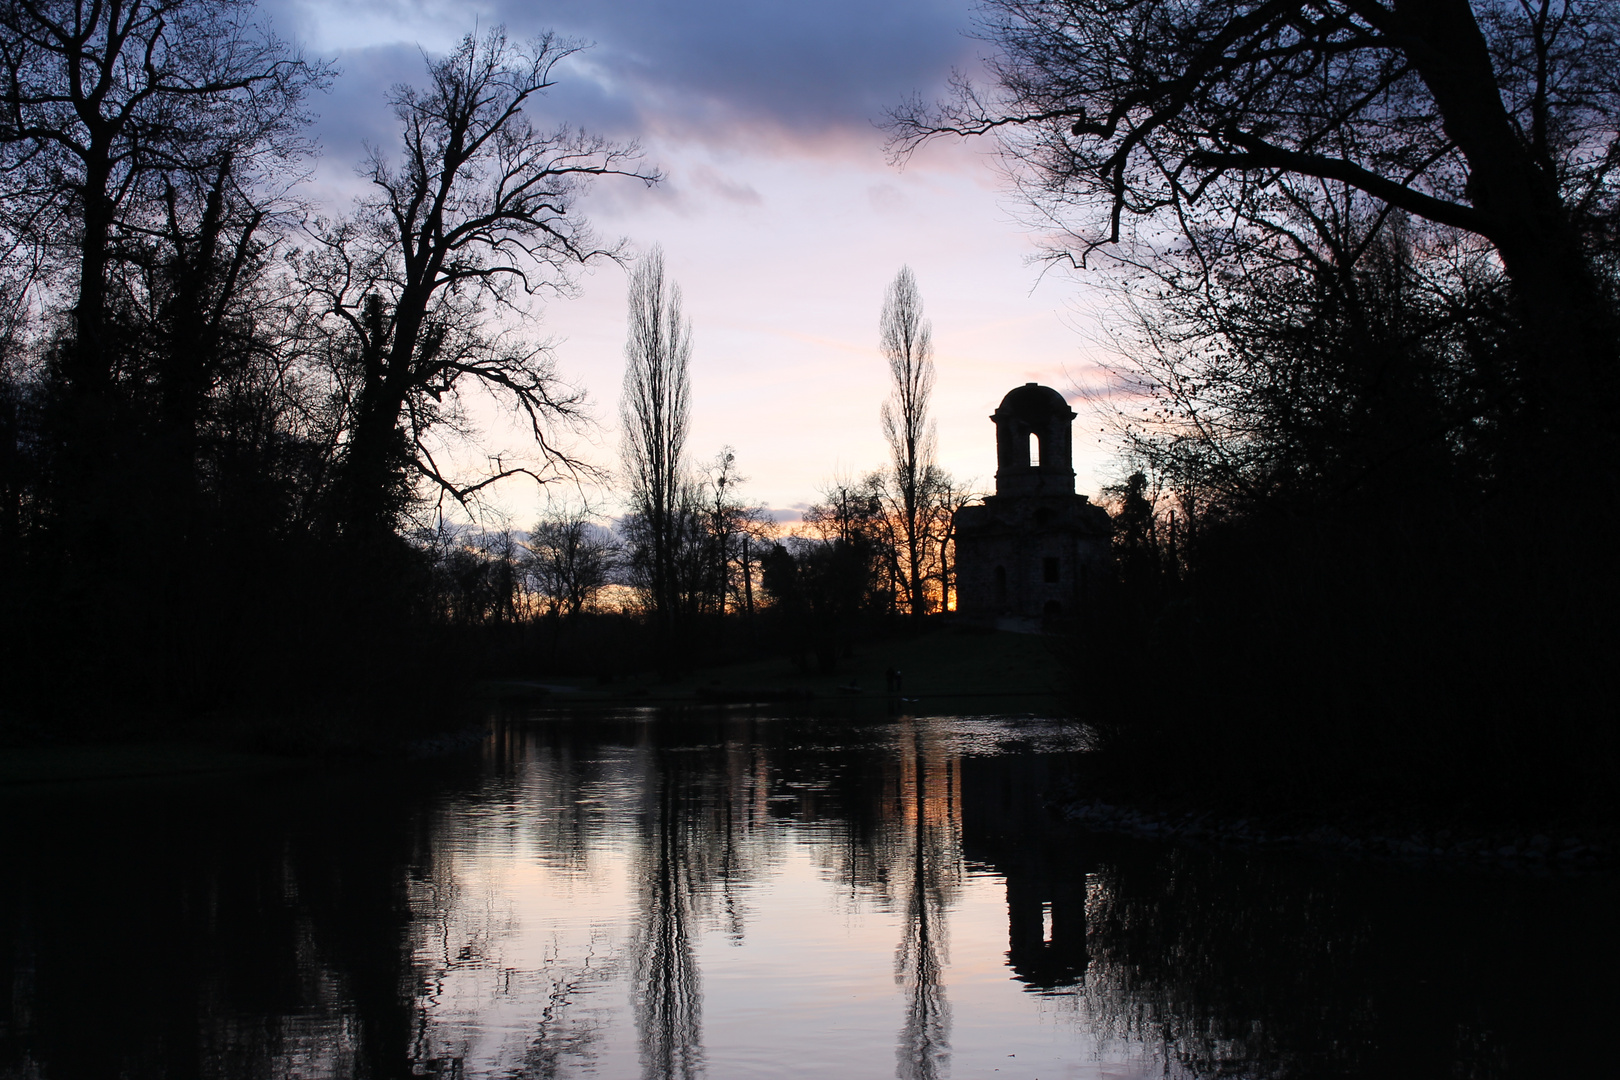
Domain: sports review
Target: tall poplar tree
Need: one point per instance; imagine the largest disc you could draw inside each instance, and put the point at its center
(654, 410)
(906, 339)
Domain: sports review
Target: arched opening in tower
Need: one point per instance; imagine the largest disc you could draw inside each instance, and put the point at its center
(1034, 450)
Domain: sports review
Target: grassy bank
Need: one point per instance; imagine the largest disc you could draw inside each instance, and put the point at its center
(941, 664)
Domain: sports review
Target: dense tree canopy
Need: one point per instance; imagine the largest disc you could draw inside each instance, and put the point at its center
(1366, 301)
(210, 439)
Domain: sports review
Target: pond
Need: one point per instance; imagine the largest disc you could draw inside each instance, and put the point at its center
(727, 893)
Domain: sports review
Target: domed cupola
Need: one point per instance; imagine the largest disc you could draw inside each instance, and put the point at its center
(1034, 448)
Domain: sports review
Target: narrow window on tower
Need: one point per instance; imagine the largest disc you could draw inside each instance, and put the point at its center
(1034, 449)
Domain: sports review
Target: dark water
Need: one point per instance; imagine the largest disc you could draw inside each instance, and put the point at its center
(727, 895)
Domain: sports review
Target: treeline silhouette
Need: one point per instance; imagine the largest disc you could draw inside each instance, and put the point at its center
(226, 424)
(695, 553)
(231, 427)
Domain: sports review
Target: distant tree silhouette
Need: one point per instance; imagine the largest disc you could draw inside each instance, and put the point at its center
(944, 496)
(476, 575)
(853, 514)
(733, 529)
(1136, 537)
(570, 560)
(841, 576)
(906, 341)
(654, 410)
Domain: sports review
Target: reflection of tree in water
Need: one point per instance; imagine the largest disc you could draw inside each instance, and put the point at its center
(237, 927)
(669, 999)
(699, 839)
(696, 786)
(557, 771)
(266, 935)
(541, 801)
(1204, 958)
(562, 1038)
(1237, 965)
(926, 862)
(891, 798)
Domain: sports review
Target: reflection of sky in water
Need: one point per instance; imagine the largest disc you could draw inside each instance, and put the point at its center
(813, 952)
(722, 895)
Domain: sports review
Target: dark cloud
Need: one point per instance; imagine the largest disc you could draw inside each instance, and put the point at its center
(722, 70)
(356, 113)
(806, 67)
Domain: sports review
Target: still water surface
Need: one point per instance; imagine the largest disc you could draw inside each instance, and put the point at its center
(725, 894)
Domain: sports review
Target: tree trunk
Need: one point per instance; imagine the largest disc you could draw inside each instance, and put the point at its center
(748, 580)
(1572, 335)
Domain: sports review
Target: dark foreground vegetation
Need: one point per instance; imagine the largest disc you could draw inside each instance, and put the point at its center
(1368, 262)
(225, 424)
(1339, 661)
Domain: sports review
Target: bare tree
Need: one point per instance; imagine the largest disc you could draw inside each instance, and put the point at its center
(1221, 119)
(570, 561)
(478, 210)
(906, 339)
(1305, 384)
(102, 100)
(757, 533)
(475, 575)
(723, 512)
(140, 143)
(853, 517)
(735, 533)
(654, 410)
(945, 496)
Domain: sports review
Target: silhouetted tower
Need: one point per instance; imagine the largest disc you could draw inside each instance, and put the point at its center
(1034, 445)
(1033, 550)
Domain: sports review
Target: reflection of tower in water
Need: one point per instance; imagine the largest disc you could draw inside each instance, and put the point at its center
(927, 869)
(1008, 831)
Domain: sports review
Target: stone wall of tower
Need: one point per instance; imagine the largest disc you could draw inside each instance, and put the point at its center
(1034, 550)
(1002, 552)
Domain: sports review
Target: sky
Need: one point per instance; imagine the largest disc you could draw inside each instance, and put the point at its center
(780, 217)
